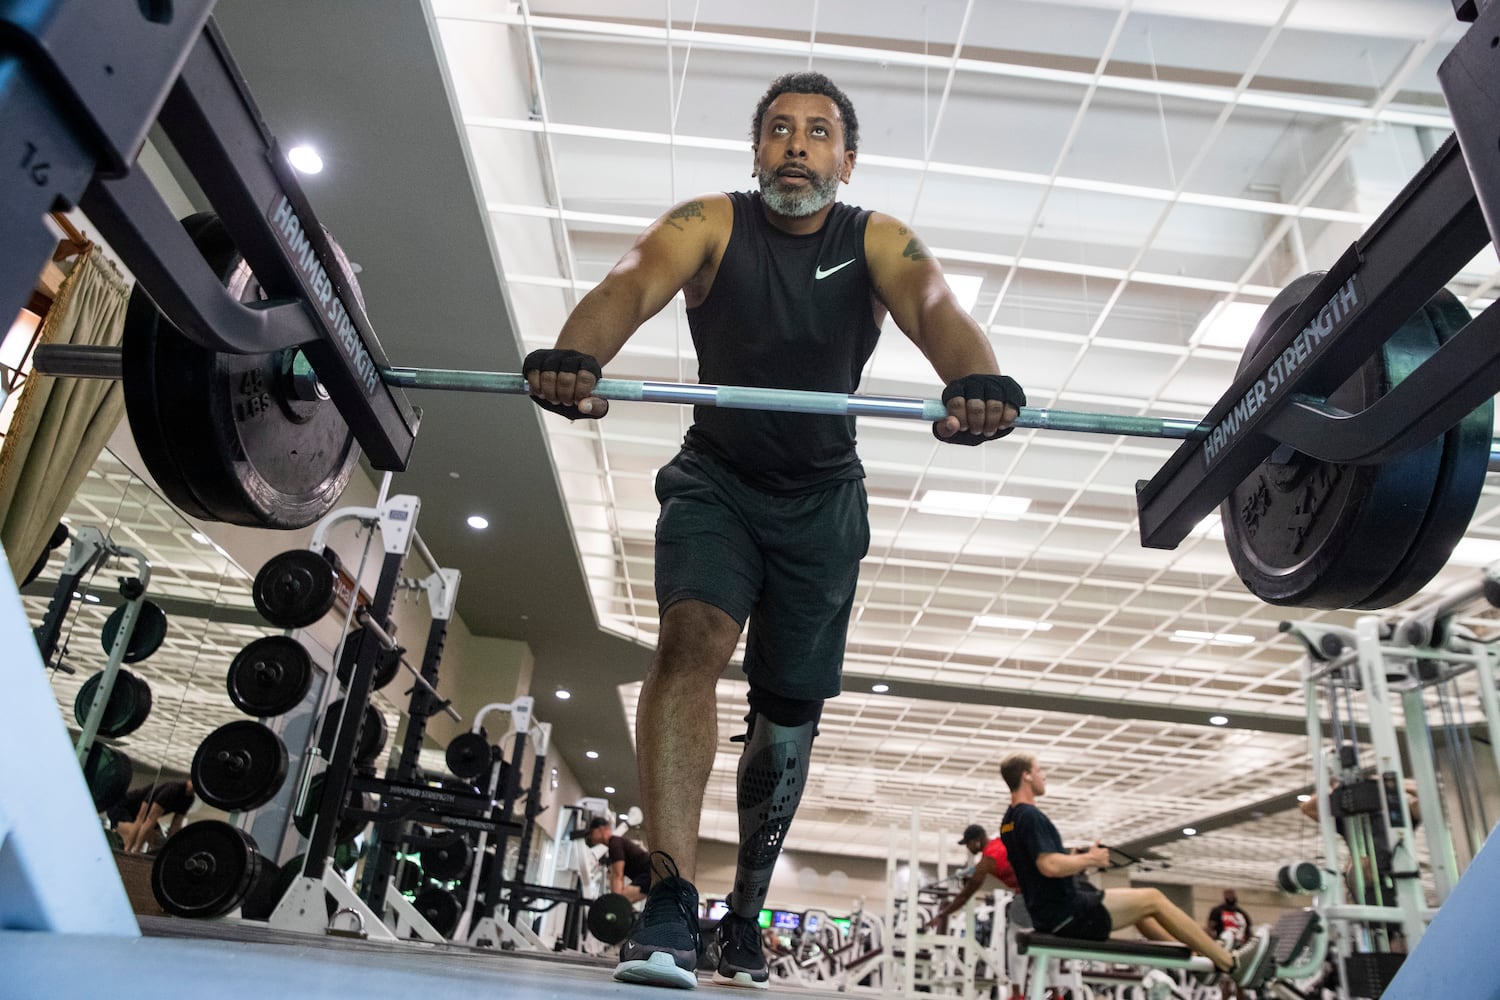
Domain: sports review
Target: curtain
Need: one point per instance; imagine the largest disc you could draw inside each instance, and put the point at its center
(61, 424)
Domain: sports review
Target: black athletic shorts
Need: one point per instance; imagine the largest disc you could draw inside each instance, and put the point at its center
(1090, 920)
(788, 565)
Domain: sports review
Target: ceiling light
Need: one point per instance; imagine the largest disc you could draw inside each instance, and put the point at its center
(1218, 720)
(305, 159)
(1189, 831)
(591, 754)
(1016, 624)
(880, 688)
(1228, 324)
(609, 789)
(1475, 552)
(955, 504)
(1304, 798)
(563, 694)
(1212, 638)
(965, 289)
(91, 598)
(478, 523)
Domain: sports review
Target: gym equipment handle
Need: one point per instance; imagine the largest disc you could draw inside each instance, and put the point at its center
(793, 401)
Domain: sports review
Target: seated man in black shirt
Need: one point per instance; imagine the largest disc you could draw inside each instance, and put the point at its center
(137, 817)
(629, 862)
(1060, 905)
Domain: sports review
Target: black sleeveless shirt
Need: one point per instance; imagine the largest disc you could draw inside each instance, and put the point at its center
(790, 312)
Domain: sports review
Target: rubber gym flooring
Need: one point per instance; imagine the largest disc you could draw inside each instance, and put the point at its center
(234, 960)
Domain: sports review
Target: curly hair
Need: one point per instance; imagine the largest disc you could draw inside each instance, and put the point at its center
(808, 83)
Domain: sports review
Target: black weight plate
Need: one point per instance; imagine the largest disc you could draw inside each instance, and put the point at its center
(270, 676)
(1466, 460)
(468, 755)
(107, 772)
(264, 893)
(206, 869)
(440, 908)
(609, 917)
(129, 704)
(1306, 533)
(239, 766)
(227, 436)
(386, 667)
(410, 877)
(147, 636)
(372, 733)
(448, 860)
(294, 589)
(349, 825)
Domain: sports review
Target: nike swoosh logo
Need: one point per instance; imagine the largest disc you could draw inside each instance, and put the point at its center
(819, 274)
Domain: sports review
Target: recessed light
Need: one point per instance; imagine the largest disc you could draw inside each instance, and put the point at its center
(955, 504)
(91, 598)
(1212, 638)
(609, 789)
(1189, 831)
(305, 159)
(880, 688)
(452, 475)
(1218, 720)
(563, 694)
(1017, 624)
(591, 754)
(478, 523)
(1304, 798)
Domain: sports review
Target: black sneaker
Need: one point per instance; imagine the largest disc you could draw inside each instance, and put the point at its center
(742, 957)
(662, 947)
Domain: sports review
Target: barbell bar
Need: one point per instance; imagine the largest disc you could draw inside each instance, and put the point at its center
(793, 401)
(104, 362)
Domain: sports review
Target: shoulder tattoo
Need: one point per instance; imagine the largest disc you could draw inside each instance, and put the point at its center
(915, 250)
(691, 210)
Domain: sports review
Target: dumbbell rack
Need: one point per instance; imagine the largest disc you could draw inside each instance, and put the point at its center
(302, 907)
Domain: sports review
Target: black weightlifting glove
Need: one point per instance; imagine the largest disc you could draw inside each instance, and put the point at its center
(559, 360)
(988, 388)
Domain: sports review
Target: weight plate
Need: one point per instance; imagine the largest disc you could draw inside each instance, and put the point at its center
(1314, 534)
(410, 877)
(107, 772)
(448, 860)
(1466, 460)
(386, 667)
(349, 825)
(270, 676)
(372, 733)
(147, 636)
(468, 755)
(129, 704)
(610, 917)
(239, 766)
(248, 439)
(206, 869)
(440, 908)
(294, 589)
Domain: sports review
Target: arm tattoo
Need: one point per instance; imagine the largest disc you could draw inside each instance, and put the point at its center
(916, 251)
(692, 210)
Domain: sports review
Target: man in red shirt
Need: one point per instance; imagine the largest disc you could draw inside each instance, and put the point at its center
(990, 862)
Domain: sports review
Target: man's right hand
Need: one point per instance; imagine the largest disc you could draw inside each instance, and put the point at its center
(562, 382)
(1098, 856)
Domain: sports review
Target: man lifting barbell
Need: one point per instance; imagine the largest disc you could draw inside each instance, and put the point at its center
(764, 516)
(629, 862)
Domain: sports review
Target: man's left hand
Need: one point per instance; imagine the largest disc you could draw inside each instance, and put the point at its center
(981, 407)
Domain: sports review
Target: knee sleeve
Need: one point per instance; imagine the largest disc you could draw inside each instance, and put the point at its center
(772, 773)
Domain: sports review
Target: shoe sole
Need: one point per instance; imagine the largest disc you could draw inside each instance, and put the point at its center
(656, 969)
(742, 979)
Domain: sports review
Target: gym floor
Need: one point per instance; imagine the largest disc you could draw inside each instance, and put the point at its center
(247, 961)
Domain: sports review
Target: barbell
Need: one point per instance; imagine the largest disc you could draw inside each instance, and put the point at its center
(254, 440)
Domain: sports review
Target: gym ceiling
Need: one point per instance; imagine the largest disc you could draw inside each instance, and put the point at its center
(1103, 176)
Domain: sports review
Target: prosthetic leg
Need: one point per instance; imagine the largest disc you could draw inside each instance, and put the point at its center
(772, 773)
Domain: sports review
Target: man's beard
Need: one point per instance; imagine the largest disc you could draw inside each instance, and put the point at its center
(798, 203)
